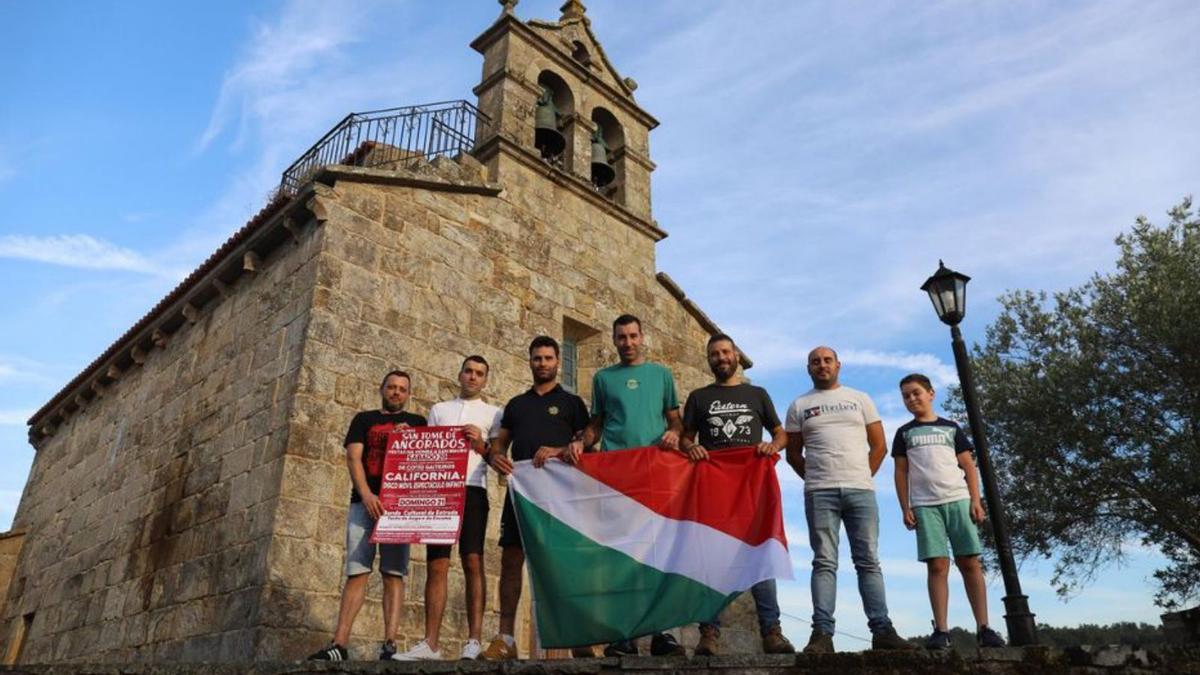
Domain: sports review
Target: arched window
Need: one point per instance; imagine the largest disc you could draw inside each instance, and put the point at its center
(554, 118)
(608, 155)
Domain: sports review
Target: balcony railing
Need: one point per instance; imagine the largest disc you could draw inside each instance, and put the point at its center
(395, 137)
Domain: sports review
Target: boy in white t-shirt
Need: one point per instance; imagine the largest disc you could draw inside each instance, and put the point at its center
(938, 490)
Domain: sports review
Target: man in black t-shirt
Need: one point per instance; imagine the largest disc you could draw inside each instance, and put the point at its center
(366, 445)
(546, 421)
(730, 413)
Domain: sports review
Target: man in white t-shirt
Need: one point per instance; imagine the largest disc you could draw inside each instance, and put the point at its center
(836, 444)
(481, 422)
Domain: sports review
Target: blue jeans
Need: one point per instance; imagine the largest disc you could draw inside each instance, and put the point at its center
(825, 511)
(766, 605)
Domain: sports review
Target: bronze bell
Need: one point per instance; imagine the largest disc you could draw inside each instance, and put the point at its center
(546, 136)
(602, 171)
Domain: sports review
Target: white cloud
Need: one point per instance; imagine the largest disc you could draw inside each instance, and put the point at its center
(14, 418)
(79, 251)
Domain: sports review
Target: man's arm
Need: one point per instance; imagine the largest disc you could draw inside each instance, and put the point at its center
(910, 520)
(878, 446)
(497, 457)
(795, 452)
(591, 433)
(967, 464)
(670, 437)
(358, 476)
(779, 440)
(689, 446)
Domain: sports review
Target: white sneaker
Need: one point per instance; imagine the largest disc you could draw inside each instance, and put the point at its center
(419, 652)
(471, 650)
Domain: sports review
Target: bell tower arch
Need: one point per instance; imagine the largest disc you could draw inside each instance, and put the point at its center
(529, 66)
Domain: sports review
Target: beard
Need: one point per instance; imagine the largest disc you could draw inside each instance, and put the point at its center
(392, 407)
(722, 371)
(539, 378)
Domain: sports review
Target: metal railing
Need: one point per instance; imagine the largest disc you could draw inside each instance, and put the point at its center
(396, 137)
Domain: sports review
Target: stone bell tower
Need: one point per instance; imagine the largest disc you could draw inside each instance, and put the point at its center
(523, 59)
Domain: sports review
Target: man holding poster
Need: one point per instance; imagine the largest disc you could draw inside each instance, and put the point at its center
(366, 446)
(480, 421)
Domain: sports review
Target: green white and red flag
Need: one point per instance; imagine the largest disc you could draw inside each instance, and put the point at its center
(643, 540)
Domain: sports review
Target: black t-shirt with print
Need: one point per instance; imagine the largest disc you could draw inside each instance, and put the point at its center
(729, 417)
(534, 420)
(371, 428)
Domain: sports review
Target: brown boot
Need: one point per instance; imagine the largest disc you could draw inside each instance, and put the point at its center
(888, 639)
(819, 643)
(707, 646)
(774, 642)
(499, 650)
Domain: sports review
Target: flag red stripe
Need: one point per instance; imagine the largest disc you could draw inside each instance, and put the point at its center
(735, 491)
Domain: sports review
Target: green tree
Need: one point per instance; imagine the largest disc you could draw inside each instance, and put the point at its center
(1091, 399)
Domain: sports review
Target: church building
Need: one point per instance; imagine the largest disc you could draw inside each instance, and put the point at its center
(188, 496)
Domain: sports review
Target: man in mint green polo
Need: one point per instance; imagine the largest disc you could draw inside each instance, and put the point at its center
(634, 405)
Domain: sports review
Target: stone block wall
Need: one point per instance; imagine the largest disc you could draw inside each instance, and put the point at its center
(149, 512)
(418, 278)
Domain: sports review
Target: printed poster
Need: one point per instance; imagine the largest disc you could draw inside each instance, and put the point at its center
(424, 486)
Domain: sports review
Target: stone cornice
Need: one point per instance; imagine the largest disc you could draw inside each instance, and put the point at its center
(334, 173)
(575, 184)
(508, 22)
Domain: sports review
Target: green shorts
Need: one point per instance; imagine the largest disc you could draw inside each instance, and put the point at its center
(946, 522)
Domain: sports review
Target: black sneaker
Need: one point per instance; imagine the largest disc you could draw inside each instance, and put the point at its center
(664, 644)
(986, 637)
(334, 652)
(888, 639)
(387, 650)
(621, 648)
(938, 641)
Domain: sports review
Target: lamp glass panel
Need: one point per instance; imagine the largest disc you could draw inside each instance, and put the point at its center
(948, 303)
(960, 296)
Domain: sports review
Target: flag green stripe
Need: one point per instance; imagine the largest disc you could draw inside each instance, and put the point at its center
(587, 593)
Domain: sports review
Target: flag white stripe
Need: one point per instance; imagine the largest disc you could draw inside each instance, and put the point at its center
(722, 562)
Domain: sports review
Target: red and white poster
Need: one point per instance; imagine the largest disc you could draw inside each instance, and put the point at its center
(424, 486)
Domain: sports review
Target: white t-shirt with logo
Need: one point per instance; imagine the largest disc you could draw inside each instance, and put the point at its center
(458, 412)
(834, 423)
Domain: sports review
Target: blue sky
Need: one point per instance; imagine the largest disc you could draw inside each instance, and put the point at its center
(815, 161)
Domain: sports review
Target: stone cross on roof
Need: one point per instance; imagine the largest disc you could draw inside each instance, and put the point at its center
(509, 6)
(571, 10)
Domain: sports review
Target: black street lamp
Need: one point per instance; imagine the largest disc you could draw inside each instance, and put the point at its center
(948, 291)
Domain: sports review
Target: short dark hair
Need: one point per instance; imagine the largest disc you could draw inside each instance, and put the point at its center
(543, 341)
(720, 337)
(625, 320)
(397, 373)
(477, 359)
(919, 379)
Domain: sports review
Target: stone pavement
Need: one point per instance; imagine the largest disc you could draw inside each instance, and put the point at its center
(1034, 660)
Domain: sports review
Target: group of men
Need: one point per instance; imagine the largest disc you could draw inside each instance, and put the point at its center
(832, 435)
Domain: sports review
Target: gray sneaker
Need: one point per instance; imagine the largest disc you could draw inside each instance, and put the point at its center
(988, 638)
(940, 640)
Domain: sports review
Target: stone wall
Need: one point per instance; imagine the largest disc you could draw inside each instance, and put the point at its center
(150, 510)
(420, 278)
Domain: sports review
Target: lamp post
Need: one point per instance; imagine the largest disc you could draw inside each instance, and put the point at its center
(948, 291)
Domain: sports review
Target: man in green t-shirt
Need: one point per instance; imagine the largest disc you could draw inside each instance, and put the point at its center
(634, 405)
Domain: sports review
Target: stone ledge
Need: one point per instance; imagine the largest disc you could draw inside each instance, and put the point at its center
(1183, 659)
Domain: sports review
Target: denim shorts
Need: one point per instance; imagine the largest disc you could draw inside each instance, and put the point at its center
(360, 552)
